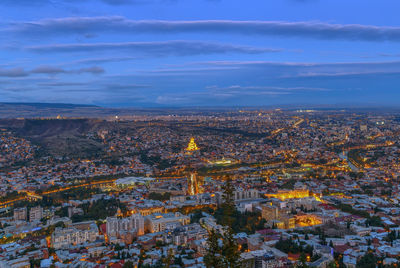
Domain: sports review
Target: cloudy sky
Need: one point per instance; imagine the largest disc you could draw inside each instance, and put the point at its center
(122, 53)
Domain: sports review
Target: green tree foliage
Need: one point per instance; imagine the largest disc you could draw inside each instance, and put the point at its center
(160, 197)
(128, 264)
(290, 246)
(302, 260)
(367, 261)
(230, 250)
(228, 204)
(99, 209)
(213, 258)
(227, 255)
(196, 216)
(374, 221)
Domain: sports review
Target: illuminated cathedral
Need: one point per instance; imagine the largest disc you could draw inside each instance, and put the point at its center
(192, 146)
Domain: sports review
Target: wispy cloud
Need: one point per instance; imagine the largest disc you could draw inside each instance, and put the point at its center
(57, 70)
(102, 60)
(231, 92)
(50, 70)
(15, 72)
(164, 48)
(62, 84)
(115, 24)
(251, 90)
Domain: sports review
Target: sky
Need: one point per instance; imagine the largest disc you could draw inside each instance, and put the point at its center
(172, 53)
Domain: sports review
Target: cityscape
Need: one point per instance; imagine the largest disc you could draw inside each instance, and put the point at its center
(309, 188)
(199, 134)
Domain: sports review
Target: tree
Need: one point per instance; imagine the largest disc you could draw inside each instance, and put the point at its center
(391, 236)
(303, 260)
(332, 264)
(178, 261)
(230, 252)
(227, 256)
(228, 204)
(367, 261)
(213, 258)
(168, 260)
(128, 264)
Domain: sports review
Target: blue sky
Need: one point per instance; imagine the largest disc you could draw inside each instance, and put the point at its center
(200, 52)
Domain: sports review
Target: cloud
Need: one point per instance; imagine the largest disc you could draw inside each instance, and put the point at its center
(50, 70)
(232, 92)
(217, 83)
(91, 70)
(102, 60)
(62, 84)
(164, 48)
(344, 74)
(254, 90)
(116, 24)
(15, 72)
(56, 70)
(124, 87)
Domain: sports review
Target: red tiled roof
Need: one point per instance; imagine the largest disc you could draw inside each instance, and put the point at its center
(341, 248)
(293, 256)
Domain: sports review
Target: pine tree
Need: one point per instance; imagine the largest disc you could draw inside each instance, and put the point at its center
(302, 260)
(128, 264)
(229, 255)
(230, 251)
(168, 259)
(228, 204)
(213, 258)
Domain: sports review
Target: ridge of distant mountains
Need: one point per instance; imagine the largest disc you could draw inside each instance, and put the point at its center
(12, 110)
(35, 110)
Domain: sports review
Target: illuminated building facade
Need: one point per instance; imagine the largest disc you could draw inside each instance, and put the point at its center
(159, 222)
(283, 195)
(307, 220)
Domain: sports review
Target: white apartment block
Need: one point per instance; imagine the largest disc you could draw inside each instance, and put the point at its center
(159, 222)
(134, 222)
(35, 213)
(20, 214)
(64, 237)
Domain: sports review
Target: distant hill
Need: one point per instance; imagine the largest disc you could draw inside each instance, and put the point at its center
(65, 137)
(35, 110)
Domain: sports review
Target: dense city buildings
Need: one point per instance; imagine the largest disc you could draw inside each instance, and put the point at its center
(315, 188)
